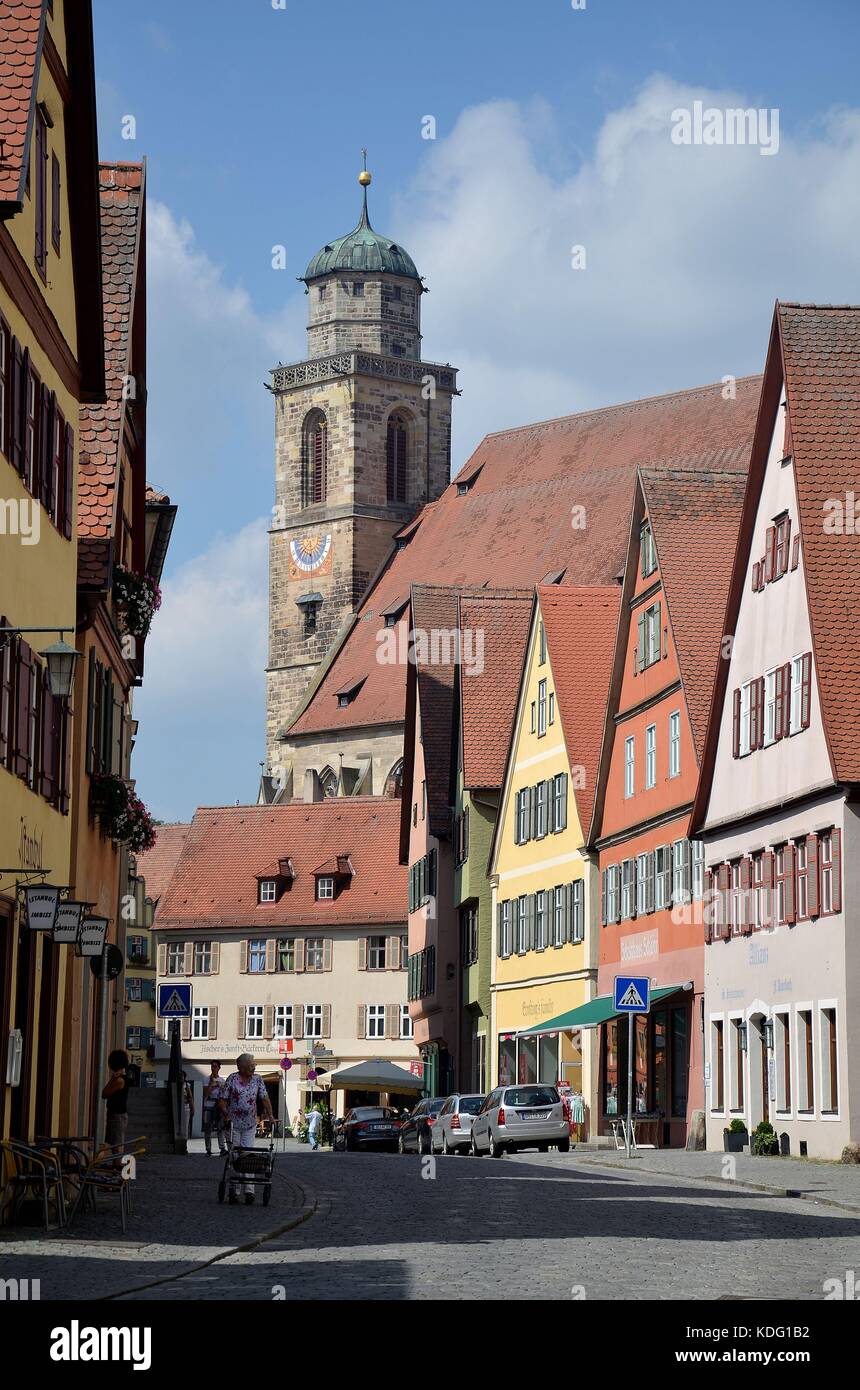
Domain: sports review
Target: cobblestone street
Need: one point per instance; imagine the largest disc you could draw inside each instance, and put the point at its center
(358, 1226)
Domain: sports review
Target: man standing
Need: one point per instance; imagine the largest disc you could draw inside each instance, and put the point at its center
(238, 1104)
(212, 1114)
(314, 1124)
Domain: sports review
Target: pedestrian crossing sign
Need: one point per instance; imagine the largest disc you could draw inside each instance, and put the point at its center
(174, 1001)
(632, 994)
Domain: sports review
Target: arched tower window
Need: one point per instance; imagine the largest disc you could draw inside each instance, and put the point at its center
(328, 781)
(394, 781)
(397, 453)
(315, 464)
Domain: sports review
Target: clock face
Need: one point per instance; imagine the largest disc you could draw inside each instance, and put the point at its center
(310, 555)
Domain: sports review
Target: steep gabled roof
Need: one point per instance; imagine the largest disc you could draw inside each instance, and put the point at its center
(434, 610)
(580, 624)
(546, 497)
(814, 353)
(228, 847)
(22, 30)
(122, 189)
(694, 521)
(156, 865)
(488, 694)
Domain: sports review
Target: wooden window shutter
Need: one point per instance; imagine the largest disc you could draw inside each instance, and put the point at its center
(7, 701)
(530, 922)
(604, 880)
(56, 216)
(107, 716)
(756, 574)
(812, 893)
(392, 1020)
(708, 905)
(360, 1023)
(759, 693)
(271, 957)
(42, 470)
(327, 952)
(788, 875)
(213, 1021)
(795, 552)
(64, 757)
(326, 1020)
(91, 712)
(805, 689)
(392, 953)
(736, 723)
(188, 958)
(779, 702)
(651, 869)
(563, 804)
(640, 655)
(268, 1020)
(50, 715)
(362, 953)
(725, 882)
(41, 199)
(240, 1021)
(300, 953)
(16, 416)
(215, 958)
(23, 705)
(243, 957)
(185, 1028)
(68, 483)
(298, 1021)
(836, 843)
(162, 959)
(746, 884)
(769, 543)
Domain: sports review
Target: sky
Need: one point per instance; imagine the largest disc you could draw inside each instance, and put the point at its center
(576, 252)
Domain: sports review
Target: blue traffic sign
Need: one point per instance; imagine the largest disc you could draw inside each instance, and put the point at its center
(174, 1001)
(632, 994)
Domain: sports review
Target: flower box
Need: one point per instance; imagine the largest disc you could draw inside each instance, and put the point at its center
(137, 598)
(121, 813)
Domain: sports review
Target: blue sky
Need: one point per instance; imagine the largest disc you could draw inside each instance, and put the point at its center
(551, 131)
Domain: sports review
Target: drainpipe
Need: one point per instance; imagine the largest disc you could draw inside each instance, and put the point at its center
(99, 1127)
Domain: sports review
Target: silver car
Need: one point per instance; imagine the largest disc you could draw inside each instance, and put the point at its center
(520, 1117)
(453, 1125)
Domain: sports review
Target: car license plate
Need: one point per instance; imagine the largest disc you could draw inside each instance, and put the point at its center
(535, 1114)
(386, 1128)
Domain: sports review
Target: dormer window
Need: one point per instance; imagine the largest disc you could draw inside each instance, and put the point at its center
(325, 888)
(466, 482)
(268, 890)
(648, 551)
(347, 693)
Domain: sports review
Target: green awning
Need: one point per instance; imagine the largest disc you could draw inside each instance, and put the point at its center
(596, 1011)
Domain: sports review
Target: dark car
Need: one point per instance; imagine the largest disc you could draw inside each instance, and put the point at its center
(367, 1127)
(416, 1129)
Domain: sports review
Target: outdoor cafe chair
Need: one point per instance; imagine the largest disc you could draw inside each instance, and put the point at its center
(105, 1173)
(35, 1172)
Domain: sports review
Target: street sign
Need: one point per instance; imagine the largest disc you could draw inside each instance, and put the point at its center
(632, 994)
(416, 1068)
(285, 1064)
(174, 1001)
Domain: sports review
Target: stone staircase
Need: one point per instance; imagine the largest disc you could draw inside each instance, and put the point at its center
(149, 1116)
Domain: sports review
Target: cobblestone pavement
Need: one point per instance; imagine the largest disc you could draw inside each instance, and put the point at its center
(378, 1226)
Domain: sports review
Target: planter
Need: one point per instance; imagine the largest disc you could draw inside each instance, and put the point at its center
(121, 814)
(735, 1143)
(137, 598)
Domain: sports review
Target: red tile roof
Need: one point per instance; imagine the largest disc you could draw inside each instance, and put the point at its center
(122, 194)
(21, 31)
(821, 357)
(156, 865)
(434, 610)
(694, 521)
(518, 520)
(215, 884)
(489, 696)
(580, 624)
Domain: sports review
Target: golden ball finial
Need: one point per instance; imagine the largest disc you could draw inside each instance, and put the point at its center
(365, 178)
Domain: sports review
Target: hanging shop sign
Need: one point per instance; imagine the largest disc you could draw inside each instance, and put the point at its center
(68, 923)
(91, 938)
(41, 901)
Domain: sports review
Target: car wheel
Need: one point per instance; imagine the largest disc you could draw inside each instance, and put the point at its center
(564, 1146)
(423, 1143)
(445, 1149)
(401, 1147)
(496, 1149)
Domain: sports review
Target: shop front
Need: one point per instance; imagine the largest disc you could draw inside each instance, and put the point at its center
(548, 1050)
(661, 1068)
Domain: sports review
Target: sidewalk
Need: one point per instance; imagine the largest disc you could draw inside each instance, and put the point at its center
(177, 1226)
(835, 1184)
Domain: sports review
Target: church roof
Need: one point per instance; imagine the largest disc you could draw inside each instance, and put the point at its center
(362, 249)
(547, 497)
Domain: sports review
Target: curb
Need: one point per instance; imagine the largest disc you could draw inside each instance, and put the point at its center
(309, 1206)
(792, 1192)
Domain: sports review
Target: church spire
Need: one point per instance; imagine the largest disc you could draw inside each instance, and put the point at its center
(365, 179)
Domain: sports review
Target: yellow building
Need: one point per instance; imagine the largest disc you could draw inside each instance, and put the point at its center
(51, 360)
(543, 880)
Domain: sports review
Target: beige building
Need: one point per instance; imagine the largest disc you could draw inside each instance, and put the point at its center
(289, 924)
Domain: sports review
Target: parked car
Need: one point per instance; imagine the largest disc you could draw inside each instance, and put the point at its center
(452, 1130)
(367, 1127)
(416, 1130)
(520, 1117)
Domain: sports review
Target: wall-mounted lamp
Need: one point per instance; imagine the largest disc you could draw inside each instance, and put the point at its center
(59, 657)
(768, 1034)
(743, 1037)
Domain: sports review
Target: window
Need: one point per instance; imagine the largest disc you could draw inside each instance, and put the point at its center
(737, 1036)
(286, 954)
(254, 1021)
(200, 1022)
(681, 871)
(782, 1058)
(283, 1021)
(313, 1020)
(542, 644)
(203, 958)
(770, 706)
(829, 1062)
(540, 801)
(268, 890)
(56, 210)
(505, 942)
(628, 889)
(397, 442)
(663, 891)
(698, 869)
(648, 552)
(137, 949)
(651, 756)
(133, 989)
(406, 1029)
(577, 910)
(629, 765)
(541, 926)
(358, 289)
(782, 529)
(805, 1062)
(521, 923)
(314, 953)
(675, 743)
(802, 878)
(761, 875)
(322, 292)
(717, 1065)
(641, 884)
(541, 708)
(522, 804)
(613, 893)
(325, 888)
(746, 718)
(469, 935)
(551, 707)
(176, 958)
(315, 469)
(558, 916)
(41, 205)
(830, 870)
(375, 952)
(649, 636)
(375, 1021)
(256, 959)
(801, 689)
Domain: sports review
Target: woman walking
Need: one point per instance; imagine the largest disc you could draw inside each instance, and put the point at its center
(238, 1104)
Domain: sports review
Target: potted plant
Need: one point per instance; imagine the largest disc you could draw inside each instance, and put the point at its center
(764, 1140)
(137, 598)
(122, 814)
(735, 1137)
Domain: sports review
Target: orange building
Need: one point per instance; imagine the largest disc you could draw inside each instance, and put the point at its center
(682, 539)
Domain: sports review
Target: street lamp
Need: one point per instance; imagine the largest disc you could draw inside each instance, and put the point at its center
(60, 659)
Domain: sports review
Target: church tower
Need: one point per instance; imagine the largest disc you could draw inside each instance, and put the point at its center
(362, 442)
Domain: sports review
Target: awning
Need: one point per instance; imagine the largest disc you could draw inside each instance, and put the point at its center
(590, 1015)
(376, 1076)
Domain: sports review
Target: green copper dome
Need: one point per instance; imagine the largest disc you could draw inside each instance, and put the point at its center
(362, 249)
